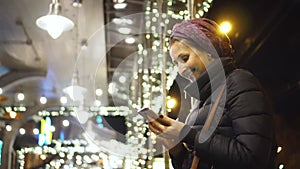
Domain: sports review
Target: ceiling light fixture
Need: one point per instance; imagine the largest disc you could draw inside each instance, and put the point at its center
(75, 91)
(129, 40)
(120, 5)
(77, 3)
(122, 21)
(118, 1)
(124, 30)
(53, 22)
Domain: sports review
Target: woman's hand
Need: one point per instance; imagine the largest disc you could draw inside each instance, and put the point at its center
(165, 127)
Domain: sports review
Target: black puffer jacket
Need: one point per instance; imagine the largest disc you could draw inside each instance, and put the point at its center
(244, 137)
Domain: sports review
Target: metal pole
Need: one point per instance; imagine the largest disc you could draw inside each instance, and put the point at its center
(163, 72)
(191, 9)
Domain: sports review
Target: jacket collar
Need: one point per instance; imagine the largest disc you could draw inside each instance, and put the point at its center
(201, 88)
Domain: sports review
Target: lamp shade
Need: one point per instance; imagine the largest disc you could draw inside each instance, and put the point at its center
(54, 24)
(75, 92)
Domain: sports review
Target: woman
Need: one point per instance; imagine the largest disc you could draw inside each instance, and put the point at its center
(241, 134)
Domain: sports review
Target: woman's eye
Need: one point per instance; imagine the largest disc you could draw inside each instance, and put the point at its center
(185, 58)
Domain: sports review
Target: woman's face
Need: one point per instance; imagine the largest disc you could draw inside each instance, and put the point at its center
(190, 61)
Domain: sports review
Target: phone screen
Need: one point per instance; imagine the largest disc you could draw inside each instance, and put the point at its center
(147, 112)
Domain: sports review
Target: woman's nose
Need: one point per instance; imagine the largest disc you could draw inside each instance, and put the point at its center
(181, 68)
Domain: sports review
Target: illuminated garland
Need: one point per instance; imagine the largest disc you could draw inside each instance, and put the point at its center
(149, 77)
(75, 152)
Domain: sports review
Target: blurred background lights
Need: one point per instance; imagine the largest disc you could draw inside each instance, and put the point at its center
(22, 131)
(281, 166)
(63, 100)
(171, 103)
(1, 91)
(225, 27)
(52, 128)
(77, 3)
(99, 92)
(12, 114)
(8, 127)
(129, 40)
(43, 100)
(120, 5)
(118, 1)
(43, 156)
(66, 123)
(112, 88)
(122, 79)
(124, 30)
(279, 149)
(20, 96)
(97, 103)
(36, 131)
(122, 21)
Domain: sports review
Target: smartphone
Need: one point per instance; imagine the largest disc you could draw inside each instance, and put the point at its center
(147, 112)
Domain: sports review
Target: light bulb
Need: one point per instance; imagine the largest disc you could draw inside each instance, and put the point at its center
(55, 31)
(120, 5)
(54, 24)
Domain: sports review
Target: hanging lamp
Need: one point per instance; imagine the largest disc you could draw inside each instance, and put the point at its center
(54, 23)
(75, 91)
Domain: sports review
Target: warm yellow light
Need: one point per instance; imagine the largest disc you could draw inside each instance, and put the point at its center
(43, 156)
(225, 27)
(171, 103)
(12, 114)
(279, 149)
(281, 166)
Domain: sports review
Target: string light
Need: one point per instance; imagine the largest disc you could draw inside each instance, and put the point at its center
(12, 114)
(20, 96)
(22, 131)
(66, 123)
(63, 100)
(99, 92)
(130, 40)
(43, 100)
(35, 131)
(8, 127)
